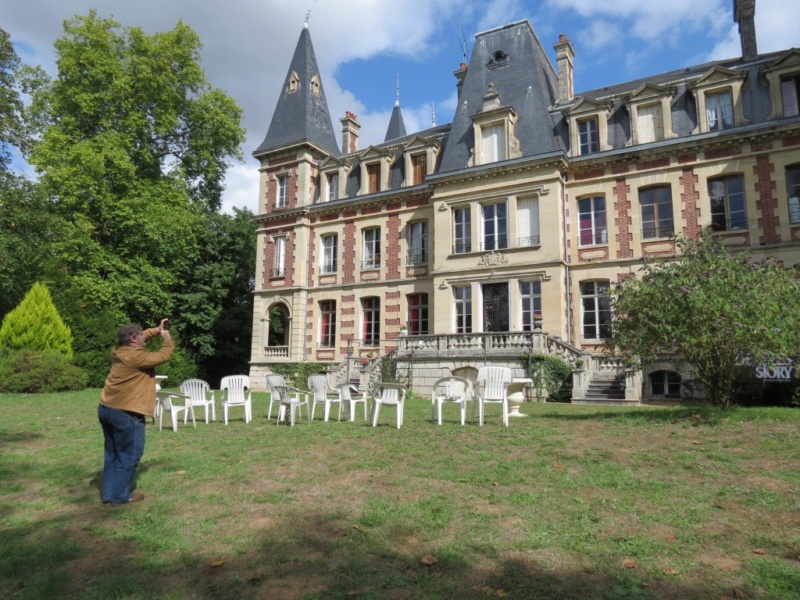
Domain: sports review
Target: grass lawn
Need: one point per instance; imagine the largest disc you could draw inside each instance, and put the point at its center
(570, 502)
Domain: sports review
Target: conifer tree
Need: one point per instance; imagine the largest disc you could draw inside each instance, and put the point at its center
(36, 325)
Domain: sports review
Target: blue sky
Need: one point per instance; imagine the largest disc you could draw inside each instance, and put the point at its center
(362, 46)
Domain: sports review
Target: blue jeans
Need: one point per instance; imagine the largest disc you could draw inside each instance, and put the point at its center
(124, 446)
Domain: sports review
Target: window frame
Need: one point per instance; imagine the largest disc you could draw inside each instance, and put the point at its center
(530, 303)
(793, 202)
(462, 244)
(371, 321)
(728, 223)
(371, 248)
(669, 380)
(279, 256)
(417, 257)
(462, 299)
(418, 313)
(595, 230)
(329, 256)
(588, 139)
(327, 328)
(663, 225)
(499, 237)
(282, 191)
(601, 307)
(720, 123)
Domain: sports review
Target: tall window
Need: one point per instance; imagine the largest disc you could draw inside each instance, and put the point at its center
(719, 110)
(283, 191)
(418, 243)
(333, 186)
(728, 210)
(462, 230)
(656, 203)
(790, 93)
(279, 262)
(419, 167)
(372, 248)
(793, 190)
(587, 134)
(329, 243)
(530, 293)
(495, 226)
(596, 306)
(327, 323)
(649, 123)
(592, 221)
(492, 144)
(417, 314)
(371, 308)
(373, 178)
(463, 301)
(528, 222)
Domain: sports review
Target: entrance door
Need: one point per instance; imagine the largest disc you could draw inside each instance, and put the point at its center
(495, 307)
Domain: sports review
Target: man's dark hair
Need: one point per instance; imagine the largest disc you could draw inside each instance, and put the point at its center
(126, 332)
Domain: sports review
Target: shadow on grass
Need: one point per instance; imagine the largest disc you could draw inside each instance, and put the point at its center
(89, 555)
(696, 414)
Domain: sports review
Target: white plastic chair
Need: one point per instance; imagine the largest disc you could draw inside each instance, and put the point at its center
(200, 394)
(450, 389)
(492, 388)
(391, 394)
(236, 392)
(272, 382)
(323, 394)
(291, 399)
(352, 396)
(164, 404)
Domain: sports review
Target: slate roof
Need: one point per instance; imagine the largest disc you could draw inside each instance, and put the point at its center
(301, 116)
(397, 128)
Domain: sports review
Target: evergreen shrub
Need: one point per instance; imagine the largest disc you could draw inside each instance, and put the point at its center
(549, 374)
(32, 371)
(36, 325)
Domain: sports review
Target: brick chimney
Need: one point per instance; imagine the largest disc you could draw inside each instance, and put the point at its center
(460, 75)
(350, 129)
(564, 55)
(744, 13)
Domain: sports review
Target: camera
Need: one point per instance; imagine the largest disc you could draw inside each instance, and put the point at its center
(166, 325)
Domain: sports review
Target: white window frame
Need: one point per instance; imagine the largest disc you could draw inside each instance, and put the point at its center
(462, 230)
(417, 239)
(329, 255)
(462, 313)
(661, 222)
(793, 192)
(498, 225)
(596, 304)
(327, 339)
(371, 321)
(728, 219)
(282, 192)
(371, 248)
(588, 139)
(279, 257)
(420, 325)
(530, 296)
(598, 233)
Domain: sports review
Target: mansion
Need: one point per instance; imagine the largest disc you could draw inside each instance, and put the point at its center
(513, 219)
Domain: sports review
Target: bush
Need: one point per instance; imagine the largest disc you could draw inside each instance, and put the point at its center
(296, 374)
(551, 374)
(36, 325)
(31, 371)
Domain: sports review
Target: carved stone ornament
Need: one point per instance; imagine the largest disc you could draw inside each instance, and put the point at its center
(491, 259)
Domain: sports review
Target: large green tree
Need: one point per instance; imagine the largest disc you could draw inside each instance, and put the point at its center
(132, 148)
(10, 101)
(717, 310)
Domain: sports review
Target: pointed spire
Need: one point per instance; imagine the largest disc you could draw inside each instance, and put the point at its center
(397, 128)
(397, 95)
(302, 113)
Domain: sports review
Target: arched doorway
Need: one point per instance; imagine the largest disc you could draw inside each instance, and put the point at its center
(278, 327)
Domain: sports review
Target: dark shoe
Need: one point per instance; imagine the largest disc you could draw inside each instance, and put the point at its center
(138, 497)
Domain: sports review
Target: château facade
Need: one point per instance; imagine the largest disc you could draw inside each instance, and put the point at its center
(518, 215)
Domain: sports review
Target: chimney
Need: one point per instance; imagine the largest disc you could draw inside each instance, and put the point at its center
(564, 55)
(744, 13)
(460, 75)
(350, 129)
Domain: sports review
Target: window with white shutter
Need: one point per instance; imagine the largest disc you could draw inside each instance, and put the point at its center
(528, 222)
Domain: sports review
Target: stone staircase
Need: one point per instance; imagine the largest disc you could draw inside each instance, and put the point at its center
(605, 388)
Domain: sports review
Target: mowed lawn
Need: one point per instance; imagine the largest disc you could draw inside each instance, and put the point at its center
(569, 502)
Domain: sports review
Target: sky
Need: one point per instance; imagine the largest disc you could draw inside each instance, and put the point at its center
(364, 47)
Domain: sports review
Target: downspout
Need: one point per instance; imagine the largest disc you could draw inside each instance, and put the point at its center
(305, 298)
(567, 283)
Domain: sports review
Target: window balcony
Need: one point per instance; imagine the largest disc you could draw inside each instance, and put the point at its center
(417, 258)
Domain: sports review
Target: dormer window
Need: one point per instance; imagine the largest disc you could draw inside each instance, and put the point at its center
(315, 85)
(332, 177)
(373, 178)
(790, 92)
(498, 59)
(649, 123)
(493, 127)
(419, 157)
(493, 147)
(587, 134)
(719, 110)
(651, 114)
(294, 83)
(783, 77)
(719, 100)
(588, 126)
(375, 165)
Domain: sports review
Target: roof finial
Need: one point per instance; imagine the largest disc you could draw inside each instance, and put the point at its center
(308, 16)
(397, 94)
(433, 115)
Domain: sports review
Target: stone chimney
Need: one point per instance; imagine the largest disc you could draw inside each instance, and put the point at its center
(350, 129)
(460, 75)
(564, 55)
(744, 13)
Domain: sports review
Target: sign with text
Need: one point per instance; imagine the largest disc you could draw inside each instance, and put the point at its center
(776, 372)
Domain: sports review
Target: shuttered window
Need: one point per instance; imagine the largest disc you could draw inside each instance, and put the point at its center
(492, 144)
(528, 222)
(650, 123)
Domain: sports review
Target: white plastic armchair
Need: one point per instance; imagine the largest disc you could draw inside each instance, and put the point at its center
(352, 396)
(236, 392)
(164, 402)
(272, 382)
(492, 388)
(324, 394)
(290, 399)
(200, 394)
(391, 394)
(450, 389)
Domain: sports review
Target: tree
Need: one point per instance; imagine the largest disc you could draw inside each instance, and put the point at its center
(10, 102)
(132, 148)
(36, 325)
(717, 310)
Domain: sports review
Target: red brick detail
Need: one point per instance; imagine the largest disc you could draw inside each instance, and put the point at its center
(394, 206)
(623, 221)
(348, 311)
(289, 264)
(330, 217)
(392, 295)
(791, 141)
(310, 314)
(591, 174)
(723, 152)
(417, 203)
(658, 163)
(391, 323)
(349, 252)
(619, 169)
(690, 212)
(272, 188)
(310, 338)
(347, 299)
(761, 146)
(687, 158)
(395, 308)
(795, 232)
(310, 302)
(767, 203)
(370, 210)
(348, 324)
(282, 223)
(312, 258)
(582, 254)
(349, 214)
(393, 247)
(647, 251)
